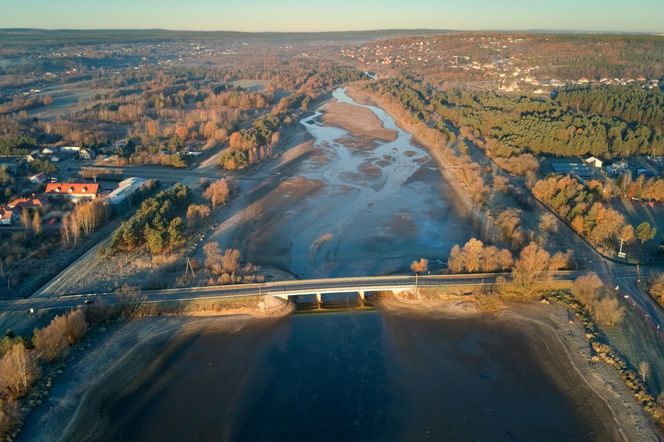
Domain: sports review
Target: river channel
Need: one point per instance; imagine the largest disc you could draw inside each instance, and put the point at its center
(356, 206)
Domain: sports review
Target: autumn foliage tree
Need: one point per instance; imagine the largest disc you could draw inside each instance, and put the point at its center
(645, 232)
(18, 370)
(65, 330)
(420, 266)
(579, 205)
(476, 257)
(197, 212)
(217, 192)
(531, 274)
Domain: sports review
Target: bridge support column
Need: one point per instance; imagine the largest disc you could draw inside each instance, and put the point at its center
(318, 298)
(361, 295)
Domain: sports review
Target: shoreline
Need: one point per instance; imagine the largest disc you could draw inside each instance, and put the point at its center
(563, 352)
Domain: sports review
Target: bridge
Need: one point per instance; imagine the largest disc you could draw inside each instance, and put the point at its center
(281, 289)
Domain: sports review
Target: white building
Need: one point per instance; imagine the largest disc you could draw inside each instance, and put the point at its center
(125, 189)
(595, 162)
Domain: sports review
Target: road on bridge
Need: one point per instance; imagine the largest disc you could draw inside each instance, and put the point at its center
(277, 288)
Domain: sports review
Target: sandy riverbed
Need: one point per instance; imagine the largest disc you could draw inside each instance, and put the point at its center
(358, 121)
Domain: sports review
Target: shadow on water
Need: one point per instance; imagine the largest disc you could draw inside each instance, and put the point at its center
(353, 373)
(333, 303)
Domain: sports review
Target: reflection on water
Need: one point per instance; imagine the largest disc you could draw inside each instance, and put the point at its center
(352, 376)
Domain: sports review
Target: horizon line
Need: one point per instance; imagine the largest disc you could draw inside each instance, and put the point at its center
(497, 30)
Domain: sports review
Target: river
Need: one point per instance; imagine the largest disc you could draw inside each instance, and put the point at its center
(367, 206)
(348, 375)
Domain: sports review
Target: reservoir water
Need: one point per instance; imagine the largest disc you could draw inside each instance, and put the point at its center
(349, 376)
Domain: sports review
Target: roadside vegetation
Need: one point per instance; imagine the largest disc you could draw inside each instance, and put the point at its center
(25, 362)
(158, 224)
(583, 302)
(656, 288)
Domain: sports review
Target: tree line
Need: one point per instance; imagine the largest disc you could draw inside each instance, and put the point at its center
(631, 103)
(512, 125)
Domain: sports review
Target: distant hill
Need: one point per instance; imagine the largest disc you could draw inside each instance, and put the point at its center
(80, 36)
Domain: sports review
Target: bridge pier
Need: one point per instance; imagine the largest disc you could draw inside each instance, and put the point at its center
(318, 298)
(361, 295)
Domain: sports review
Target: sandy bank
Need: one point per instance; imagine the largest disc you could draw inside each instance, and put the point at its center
(557, 340)
(358, 121)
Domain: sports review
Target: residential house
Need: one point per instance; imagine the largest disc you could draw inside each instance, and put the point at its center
(70, 149)
(595, 162)
(31, 202)
(39, 178)
(72, 191)
(6, 216)
(617, 168)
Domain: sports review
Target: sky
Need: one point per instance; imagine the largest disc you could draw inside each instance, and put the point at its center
(336, 15)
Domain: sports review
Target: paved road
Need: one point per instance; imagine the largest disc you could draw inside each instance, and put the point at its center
(277, 288)
(156, 172)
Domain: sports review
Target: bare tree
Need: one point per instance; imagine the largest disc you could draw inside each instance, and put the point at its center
(18, 370)
(548, 223)
(608, 311)
(213, 257)
(132, 301)
(644, 370)
(586, 288)
(530, 275)
(25, 218)
(50, 342)
(36, 223)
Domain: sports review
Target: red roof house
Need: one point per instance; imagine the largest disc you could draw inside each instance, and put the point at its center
(30, 202)
(74, 191)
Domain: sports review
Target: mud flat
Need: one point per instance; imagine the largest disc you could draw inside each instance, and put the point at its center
(128, 355)
(539, 337)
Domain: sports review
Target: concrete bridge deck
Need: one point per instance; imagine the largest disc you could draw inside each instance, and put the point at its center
(281, 289)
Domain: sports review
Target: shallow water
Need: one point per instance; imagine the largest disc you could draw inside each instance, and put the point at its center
(350, 376)
(375, 208)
